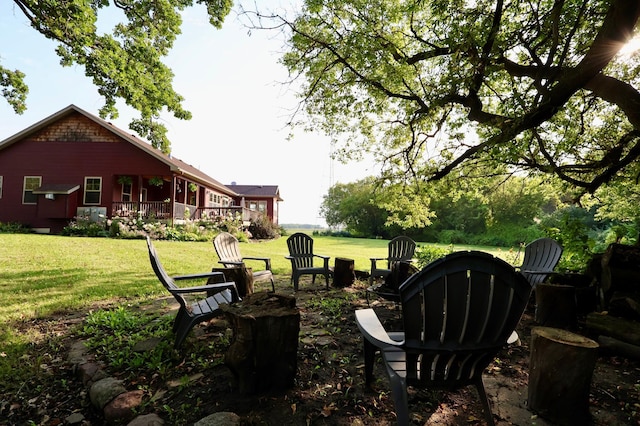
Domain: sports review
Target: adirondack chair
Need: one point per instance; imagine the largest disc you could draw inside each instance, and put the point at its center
(302, 259)
(400, 249)
(228, 250)
(197, 304)
(458, 313)
(540, 258)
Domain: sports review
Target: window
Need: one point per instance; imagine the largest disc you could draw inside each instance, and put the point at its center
(0, 186)
(92, 190)
(30, 183)
(126, 192)
(260, 206)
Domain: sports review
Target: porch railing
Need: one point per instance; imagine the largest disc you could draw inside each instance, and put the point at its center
(162, 210)
(213, 212)
(144, 210)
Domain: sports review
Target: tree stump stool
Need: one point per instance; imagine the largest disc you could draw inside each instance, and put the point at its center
(343, 272)
(556, 306)
(560, 372)
(264, 347)
(241, 275)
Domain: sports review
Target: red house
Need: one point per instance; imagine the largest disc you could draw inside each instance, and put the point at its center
(76, 164)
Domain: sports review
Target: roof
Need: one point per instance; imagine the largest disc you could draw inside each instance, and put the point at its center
(261, 191)
(56, 188)
(177, 166)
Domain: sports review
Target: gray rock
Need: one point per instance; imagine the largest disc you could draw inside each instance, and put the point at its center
(122, 407)
(74, 419)
(147, 420)
(105, 390)
(222, 418)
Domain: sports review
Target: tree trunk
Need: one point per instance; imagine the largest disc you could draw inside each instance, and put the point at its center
(617, 347)
(343, 272)
(264, 347)
(242, 276)
(556, 306)
(618, 328)
(560, 372)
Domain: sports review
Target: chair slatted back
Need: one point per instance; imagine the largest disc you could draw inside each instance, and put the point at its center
(301, 249)
(400, 249)
(162, 275)
(458, 312)
(227, 248)
(540, 255)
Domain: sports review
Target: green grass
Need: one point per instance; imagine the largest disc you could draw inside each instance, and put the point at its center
(43, 274)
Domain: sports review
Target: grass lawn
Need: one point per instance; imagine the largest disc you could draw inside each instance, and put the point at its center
(43, 274)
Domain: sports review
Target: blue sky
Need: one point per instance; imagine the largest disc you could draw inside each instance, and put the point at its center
(231, 83)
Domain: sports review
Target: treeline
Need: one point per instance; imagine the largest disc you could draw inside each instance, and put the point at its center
(490, 211)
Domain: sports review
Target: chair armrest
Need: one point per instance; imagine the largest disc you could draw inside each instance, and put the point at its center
(202, 288)
(266, 260)
(322, 256)
(196, 276)
(372, 329)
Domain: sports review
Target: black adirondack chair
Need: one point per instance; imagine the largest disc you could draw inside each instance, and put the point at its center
(540, 258)
(228, 250)
(197, 304)
(400, 249)
(302, 259)
(458, 313)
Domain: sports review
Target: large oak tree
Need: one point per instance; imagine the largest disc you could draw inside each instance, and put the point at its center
(430, 85)
(126, 63)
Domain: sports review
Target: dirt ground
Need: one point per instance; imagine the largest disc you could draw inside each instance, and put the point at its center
(329, 386)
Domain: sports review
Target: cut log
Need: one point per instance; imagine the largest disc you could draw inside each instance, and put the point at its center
(241, 275)
(560, 372)
(618, 328)
(263, 352)
(343, 272)
(617, 347)
(556, 306)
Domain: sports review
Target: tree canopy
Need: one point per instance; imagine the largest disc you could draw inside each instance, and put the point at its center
(427, 86)
(125, 64)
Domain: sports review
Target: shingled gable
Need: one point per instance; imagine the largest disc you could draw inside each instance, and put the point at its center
(177, 166)
(259, 191)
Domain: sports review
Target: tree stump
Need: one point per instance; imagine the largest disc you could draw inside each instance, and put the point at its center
(343, 272)
(560, 372)
(241, 275)
(264, 347)
(556, 306)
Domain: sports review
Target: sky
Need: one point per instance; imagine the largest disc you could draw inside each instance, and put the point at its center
(232, 84)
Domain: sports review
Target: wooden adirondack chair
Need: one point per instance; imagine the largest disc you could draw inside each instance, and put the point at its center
(228, 250)
(540, 258)
(458, 313)
(302, 259)
(197, 304)
(400, 249)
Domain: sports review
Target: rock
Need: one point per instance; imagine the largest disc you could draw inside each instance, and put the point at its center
(222, 418)
(87, 371)
(105, 390)
(74, 419)
(123, 406)
(147, 420)
(147, 345)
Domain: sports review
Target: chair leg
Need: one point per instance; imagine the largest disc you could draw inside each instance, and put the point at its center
(369, 358)
(273, 286)
(400, 398)
(484, 399)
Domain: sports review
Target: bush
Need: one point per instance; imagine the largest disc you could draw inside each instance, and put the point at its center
(427, 254)
(83, 227)
(263, 229)
(14, 228)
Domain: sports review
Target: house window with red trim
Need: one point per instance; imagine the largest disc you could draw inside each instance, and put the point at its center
(30, 183)
(92, 190)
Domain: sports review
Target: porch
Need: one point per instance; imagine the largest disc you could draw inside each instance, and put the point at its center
(162, 210)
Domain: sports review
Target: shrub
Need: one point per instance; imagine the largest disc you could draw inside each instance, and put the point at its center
(263, 228)
(14, 228)
(427, 254)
